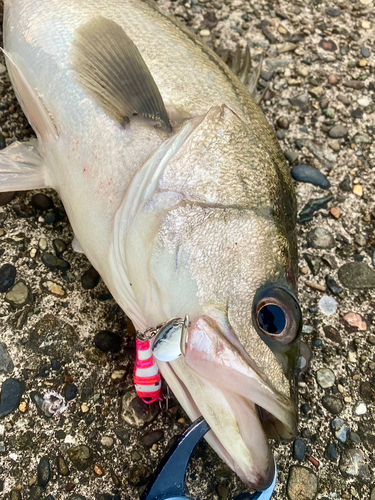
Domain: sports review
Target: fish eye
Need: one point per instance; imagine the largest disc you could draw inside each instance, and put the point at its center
(276, 314)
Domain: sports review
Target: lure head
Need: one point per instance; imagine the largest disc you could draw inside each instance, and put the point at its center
(214, 238)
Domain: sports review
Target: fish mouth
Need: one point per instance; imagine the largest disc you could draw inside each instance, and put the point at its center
(217, 379)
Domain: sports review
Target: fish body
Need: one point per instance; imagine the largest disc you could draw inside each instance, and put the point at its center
(185, 206)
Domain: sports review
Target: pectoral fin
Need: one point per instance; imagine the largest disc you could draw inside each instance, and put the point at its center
(21, 167)
(110, 67)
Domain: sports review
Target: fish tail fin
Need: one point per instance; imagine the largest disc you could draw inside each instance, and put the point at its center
(21, 167)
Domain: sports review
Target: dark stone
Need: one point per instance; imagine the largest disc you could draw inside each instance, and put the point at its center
(313, 263)
(15, 495)
(357, 113)
(353, 464)
(328, 45)
(305, 408)
(62, 467)
(59, 246)
(306, 173)
(76, 496)
(333, 12)
(346, 184)
(135, 412)
(55, 365)
(332, 334)
(338, 132)
(301, 101)
(270, 37)
(42, 202)
(299, 449)
(333, 404)
(283, 122)
(354, 84)
(104, 496)
(320, 238)
(333, 286)
(354, 438)
(357, 276)
(123, 435)
(80, 456)
(365, 51)
(307, 213)
(108, 341)
(7, 277)
(44, 472)
(11, 393)
(152, 437)
(6, 362)
(6, 198)
(90, 278)
(367, 391)
(36, 493)
(54, 263)
(70, 392)
(49, 497)
(331, 452)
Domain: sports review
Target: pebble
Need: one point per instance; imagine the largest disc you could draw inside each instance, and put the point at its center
(291, 156)
(42, 202)
(36, 493)
(355, 320)
(316, 92)
(353, 464)
(53, 288)
(327, 305)
(108, 341)
(333, 12)
(358, 190)
(345, 184)
(352, 357)
(364, 101)
(325, 378)
(135, 412)
(320, 238)
(44, 472)
(360, 408)
(333, 79)
(331, 452)
(205, 33)
(340, 429)
(152, 437)
(123, 435)
(357, 276)
(328, 45)
(80, 456)
(6, 362)
(15, 495)
(301, 101)
(332, 334)
(62, 467)
(333, 404)
(54, 263)
(311, 175)
(360, 240)
(365, 51)
(11, 393)
(5, 198)
(299, 449)
(7, 277)
(90, 278)
(335, 212)
(70, 392)
(312, 206)
(107, 442)
(338, 132)
(283, 122)
(366, 25)
(333, 286)
(59, 246)
(302, 484)
(19, 295)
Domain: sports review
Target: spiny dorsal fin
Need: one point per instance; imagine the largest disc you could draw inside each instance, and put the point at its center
(109, 66)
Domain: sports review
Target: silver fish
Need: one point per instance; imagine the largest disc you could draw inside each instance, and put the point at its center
(179, 195)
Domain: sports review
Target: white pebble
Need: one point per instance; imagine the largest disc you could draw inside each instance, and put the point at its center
(352, 357)
(2, 68)
(328, 305)
(364, 101)
(360, 409)
(107, 441)
(325, 378)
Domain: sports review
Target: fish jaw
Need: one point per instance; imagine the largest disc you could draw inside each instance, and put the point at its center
(218, 380)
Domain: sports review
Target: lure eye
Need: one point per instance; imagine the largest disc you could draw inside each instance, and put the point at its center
(277, 315)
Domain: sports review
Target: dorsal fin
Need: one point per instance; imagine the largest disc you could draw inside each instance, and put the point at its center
(110, 67)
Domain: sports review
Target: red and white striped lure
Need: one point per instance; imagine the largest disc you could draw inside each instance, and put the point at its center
(166, 342)
(147, 380)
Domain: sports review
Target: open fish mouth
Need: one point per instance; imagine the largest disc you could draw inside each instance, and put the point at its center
(216, 379)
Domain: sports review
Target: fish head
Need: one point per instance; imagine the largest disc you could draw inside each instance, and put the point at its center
(214, 238)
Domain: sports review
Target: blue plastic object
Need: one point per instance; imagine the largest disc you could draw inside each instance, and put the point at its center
(168, 481)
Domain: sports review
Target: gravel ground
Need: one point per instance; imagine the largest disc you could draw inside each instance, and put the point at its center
(319, 68)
